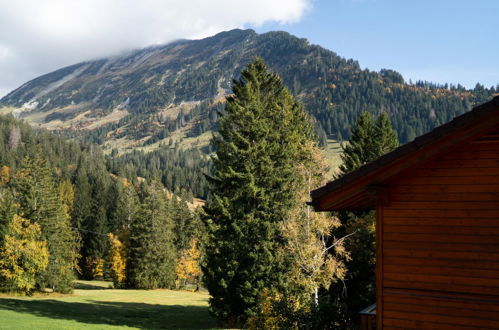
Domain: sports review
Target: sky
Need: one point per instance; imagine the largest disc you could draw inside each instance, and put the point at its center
(439, 41)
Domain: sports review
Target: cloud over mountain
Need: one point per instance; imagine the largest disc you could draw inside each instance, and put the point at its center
(40, 36)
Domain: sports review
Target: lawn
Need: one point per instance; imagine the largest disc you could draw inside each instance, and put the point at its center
(94, 306)
(333, 157)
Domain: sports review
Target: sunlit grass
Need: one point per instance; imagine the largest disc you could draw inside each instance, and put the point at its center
(93, 305)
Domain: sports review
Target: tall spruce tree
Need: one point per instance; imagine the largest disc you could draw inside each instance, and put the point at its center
(370, 139)
(261, 135)
(152, 256)
(361, 148)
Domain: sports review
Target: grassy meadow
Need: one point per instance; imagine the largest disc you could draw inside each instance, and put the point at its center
(333, 157)
(93, 305)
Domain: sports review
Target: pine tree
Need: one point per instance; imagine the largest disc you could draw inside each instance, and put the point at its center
(361, 148)
(151, 260)
(262, 132)
(385, 137)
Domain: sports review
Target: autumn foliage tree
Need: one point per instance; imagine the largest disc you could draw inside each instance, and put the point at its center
(117, 260)
(189, 265)
(315, 256)
(23, 255)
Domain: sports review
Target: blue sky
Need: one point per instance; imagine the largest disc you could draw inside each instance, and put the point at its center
(440, 41)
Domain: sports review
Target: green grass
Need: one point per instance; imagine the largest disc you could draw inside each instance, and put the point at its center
(333, 159)
(94, 306)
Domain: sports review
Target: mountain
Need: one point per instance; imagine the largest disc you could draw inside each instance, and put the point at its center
(171, 94)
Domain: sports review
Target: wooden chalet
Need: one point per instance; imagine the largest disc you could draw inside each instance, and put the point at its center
(437, 227)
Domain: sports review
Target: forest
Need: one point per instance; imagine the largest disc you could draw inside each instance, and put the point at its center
(86, 220)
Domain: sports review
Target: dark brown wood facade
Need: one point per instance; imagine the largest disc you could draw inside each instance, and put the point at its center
(437, 228)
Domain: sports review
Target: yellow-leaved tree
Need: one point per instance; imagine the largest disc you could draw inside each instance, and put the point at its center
(315, 255)
(4, 175)
(188, 265)
(117, 260)
(23, 255)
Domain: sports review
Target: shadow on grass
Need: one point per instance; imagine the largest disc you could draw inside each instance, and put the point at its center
(86, 286)
(139, 315)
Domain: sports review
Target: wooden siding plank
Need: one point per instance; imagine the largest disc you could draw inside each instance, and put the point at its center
(449, 188)
(415, 212)
(455, 172)
(444, 230)
(445, 205)
(442, 237)
(446, 180)
(476, 153)
(455, 263)
(455, 280)
(445, 197)
(440, 246)
(469, 302)
(442, 321)
(491, 256)
(455, 222)
(429, 308)
(442, 271)
(462, 163)
(414, 324)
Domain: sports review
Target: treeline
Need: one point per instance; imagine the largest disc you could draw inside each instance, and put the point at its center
(181, 171)
(336, 90)
(59, 196)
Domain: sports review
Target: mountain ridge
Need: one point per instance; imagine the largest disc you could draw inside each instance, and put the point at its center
(148, 96)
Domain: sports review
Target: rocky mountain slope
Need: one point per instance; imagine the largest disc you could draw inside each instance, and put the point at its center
(171, 94)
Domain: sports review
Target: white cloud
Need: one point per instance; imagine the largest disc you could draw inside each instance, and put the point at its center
(37, 37)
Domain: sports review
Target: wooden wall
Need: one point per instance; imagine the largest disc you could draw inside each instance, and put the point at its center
(439, 243)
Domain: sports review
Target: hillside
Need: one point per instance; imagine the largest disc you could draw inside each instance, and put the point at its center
(171, 94)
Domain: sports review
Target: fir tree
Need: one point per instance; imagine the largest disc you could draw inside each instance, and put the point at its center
(261, 135)
(385, 137)
(152, 257)
(360, 149)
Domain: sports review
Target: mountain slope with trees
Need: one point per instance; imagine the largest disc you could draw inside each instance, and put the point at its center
(150, 96)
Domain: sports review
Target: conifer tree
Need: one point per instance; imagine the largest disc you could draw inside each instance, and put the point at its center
(369, 139)
(385, 136)
(38, 196)
(361, 148)
(126, 207)
(261, 135)
(151, 260)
